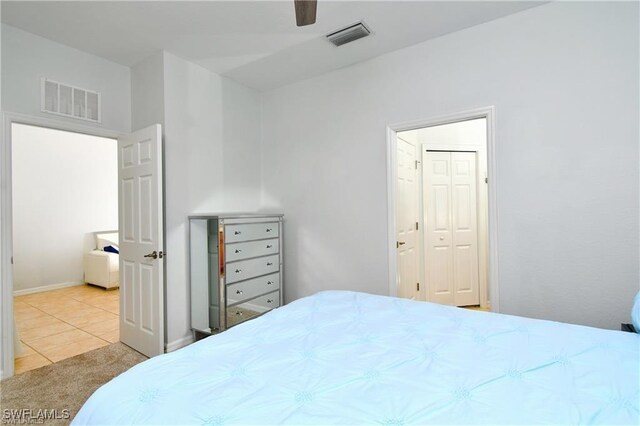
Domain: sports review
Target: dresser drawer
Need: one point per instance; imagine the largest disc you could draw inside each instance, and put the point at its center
(252, 308)
(239, 251)
(250, 231)
(245, 269)
(249, 289)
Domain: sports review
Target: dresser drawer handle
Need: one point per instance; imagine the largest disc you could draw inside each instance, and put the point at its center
(238, 291)
(238, 271)
(238, 250)
(269, 245)
(269, 301)
(238, 313)
(269, 263)
(268, 229)
(269, 282)
(237, 233)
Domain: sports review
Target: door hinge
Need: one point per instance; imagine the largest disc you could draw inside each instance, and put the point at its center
(486, 180)
(416, 164)
(418, 286)
(416, 226)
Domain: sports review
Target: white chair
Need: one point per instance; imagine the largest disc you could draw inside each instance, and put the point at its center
(101, 268)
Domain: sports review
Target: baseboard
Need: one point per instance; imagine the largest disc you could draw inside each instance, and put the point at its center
(47, 288)
(177, 344)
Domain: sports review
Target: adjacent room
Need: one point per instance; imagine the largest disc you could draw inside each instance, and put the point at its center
(64, 189)
(320, 212)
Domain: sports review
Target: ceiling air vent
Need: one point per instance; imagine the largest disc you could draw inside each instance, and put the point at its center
(348, 34)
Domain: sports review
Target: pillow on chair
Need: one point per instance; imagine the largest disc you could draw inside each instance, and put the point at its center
(106, 239)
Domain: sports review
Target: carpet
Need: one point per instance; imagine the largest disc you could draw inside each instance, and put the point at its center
(57, 391)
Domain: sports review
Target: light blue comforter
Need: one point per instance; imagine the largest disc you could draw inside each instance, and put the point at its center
(353, 358)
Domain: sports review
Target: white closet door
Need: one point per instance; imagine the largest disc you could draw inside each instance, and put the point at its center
(451, 231)
(437, 199)
(465, 228)
(406, 218)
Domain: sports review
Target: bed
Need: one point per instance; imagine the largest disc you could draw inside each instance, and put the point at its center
(353, 358)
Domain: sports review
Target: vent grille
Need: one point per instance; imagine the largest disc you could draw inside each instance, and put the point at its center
(349, 34)
(69, 101)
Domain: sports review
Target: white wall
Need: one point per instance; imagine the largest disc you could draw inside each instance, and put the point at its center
(26, 58)
(470, 132)
(65, 186)
(147, 92)
(564, 80)
(212, 164)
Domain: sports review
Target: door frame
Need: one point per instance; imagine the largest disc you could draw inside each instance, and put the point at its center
(6, 212)
(488, 113)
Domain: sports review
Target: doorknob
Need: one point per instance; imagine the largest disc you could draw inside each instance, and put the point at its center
(400, 243)
(153, 255)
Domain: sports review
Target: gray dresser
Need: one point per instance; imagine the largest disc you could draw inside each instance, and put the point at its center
(236, 269)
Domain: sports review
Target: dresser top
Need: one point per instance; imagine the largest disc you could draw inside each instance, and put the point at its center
(234, 215)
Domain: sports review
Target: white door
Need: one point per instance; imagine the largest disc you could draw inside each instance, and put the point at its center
(141, 240)
(451, 227)
(406, 220)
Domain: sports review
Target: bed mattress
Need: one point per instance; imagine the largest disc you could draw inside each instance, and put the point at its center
(353, 358)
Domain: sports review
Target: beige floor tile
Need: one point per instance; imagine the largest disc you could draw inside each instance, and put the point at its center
(35, 333)
(76, 348)
(37, 322)
(39, 298)
(111, 306)
(26, 350)
(66, 305)
(69, 290)
(111, 337)
(82, 321)
(97, 299)
(19, 300)
(30, 362)
(28, 313)
(81, 316)
(98, 328)
(50, 323)
(48, 343)
(21, 306)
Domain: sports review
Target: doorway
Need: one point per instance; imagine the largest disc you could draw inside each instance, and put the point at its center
(65, 261)
(442, 210)
(140, 235)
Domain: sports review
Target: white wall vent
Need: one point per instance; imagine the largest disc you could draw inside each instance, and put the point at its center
(70, 101)
(348, 34)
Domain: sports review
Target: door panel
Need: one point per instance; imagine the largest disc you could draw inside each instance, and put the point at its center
(437, 199)
(465, 228)
(451, 234)
(406, 218)
(141, 224)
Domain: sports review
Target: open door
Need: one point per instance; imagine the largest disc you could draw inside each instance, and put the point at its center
(407, 219)
(141, 240)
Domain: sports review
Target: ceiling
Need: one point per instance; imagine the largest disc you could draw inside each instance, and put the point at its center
(253, 42)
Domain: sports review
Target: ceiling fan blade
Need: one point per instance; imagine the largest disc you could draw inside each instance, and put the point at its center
(305, 12)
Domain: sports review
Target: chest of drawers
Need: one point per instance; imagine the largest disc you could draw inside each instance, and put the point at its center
(235, 269)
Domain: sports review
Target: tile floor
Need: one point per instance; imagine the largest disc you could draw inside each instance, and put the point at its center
(59, 324)
(477, 308)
